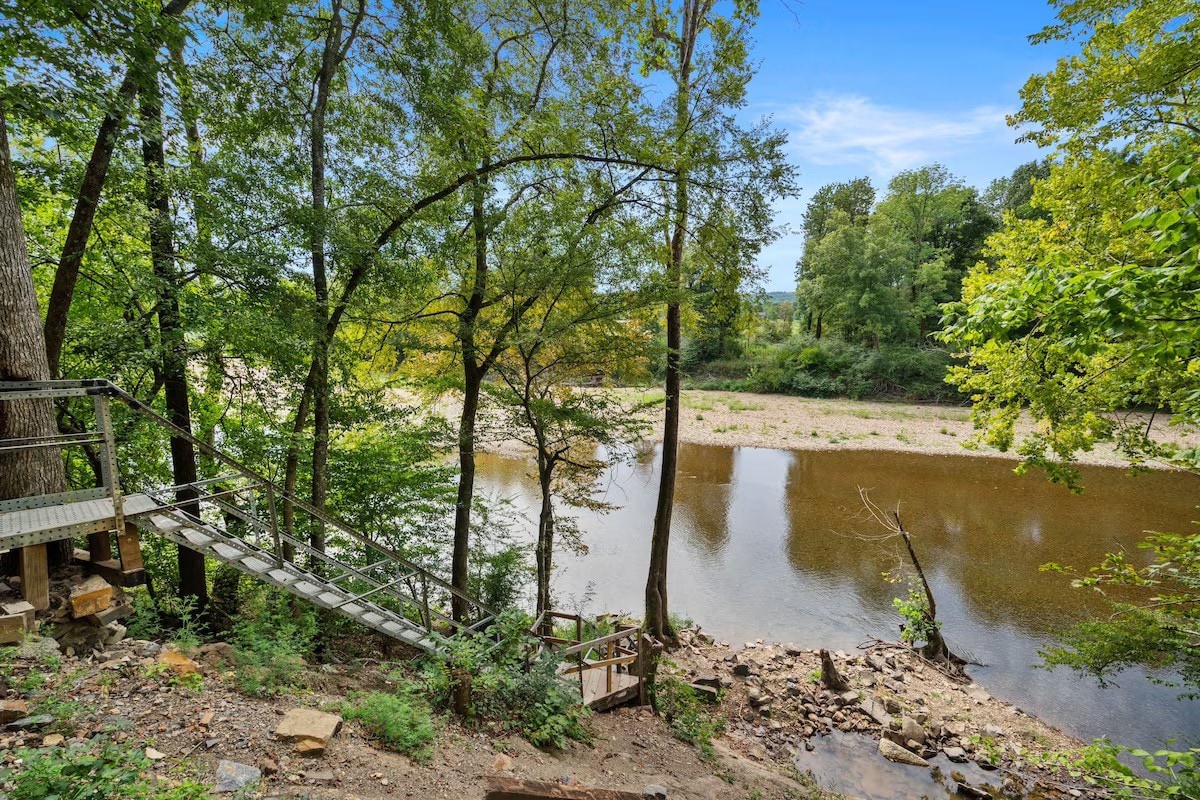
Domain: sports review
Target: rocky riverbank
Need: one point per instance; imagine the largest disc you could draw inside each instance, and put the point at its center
(915, 714)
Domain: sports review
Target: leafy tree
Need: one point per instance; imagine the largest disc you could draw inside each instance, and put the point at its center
(704, 57)
(855, 200)
(1088, 307)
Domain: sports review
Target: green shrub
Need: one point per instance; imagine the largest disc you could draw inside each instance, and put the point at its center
(98, 771)
(270, 644)
(509, 686)
(401, 721)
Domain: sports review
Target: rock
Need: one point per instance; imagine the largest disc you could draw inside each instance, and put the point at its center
(894, 752)
(38, 648)
(955, 754)
(967, 790)
(502, 763)
(155, 755)
(310, 748)
(301, 724)
(977, 693)
(876, 662)
(654, 792)
(711, 681)
(91, 597)
(912, 730)
(892, 705)
(321, 776)
(178, 663)
(794, 650)
(992, 731)
(705, 693)
(846, 698)
(875, 709)
(216, 651)
(53, 740)
(741, 669)
(233, 777)
(28, 723)
(268, 765)
(12, 710)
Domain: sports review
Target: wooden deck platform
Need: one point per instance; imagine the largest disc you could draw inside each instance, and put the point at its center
(34, 525)
(595, 689)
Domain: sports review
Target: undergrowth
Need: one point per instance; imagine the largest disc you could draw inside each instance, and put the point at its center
(99, 770)
(402, 721)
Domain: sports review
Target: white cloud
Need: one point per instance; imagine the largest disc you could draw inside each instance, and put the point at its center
(835, 130)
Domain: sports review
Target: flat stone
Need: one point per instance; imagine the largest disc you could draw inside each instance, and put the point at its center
(956, 754)
(711, 681)
(308, 723)
(233, 777)
(53, 740)
(321, 776)
(178, 663)
(977, 693)
(847, 698)
(705, 693)
(742, 669)
(654, 792)
(26, 723)
(894, 752)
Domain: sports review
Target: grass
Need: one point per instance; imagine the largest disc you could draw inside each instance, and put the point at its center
(403, 722)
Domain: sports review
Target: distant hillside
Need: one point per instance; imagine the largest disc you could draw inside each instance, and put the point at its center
(781, 297)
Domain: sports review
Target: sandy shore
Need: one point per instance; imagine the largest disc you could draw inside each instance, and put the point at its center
(742, 419)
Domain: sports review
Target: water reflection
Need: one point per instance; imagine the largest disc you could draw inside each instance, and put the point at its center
(770, 544)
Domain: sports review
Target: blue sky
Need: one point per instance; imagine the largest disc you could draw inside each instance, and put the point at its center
(877, 86)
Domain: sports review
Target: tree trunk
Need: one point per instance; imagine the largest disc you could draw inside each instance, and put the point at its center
(657, 622)
(545, 542)
(330, 60)
(192, 580)
(820, 325)
(466, 491)
(23, 473)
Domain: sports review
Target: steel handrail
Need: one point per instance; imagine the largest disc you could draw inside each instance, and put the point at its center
(89, 387)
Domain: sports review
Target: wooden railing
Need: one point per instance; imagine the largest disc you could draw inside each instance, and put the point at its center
(622, 652)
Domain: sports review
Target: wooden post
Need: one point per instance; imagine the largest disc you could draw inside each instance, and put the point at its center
(99, 547)
(35, 576)
(129, 548)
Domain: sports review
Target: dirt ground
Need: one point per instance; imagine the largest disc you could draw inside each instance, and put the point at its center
(121, 694)
(770, 698)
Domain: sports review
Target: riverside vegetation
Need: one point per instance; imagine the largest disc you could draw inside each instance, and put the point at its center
(262, 217)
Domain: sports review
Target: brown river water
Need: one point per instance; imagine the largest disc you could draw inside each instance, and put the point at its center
(766, 544)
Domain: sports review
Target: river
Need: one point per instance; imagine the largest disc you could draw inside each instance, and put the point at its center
(774, 544)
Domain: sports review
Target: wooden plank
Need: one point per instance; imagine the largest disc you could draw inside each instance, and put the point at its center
(504, 788)
(12, 628)
(608, 662)
(129, 548)
(24, 609)
(110, 570)
(583, 647)
(35, 576)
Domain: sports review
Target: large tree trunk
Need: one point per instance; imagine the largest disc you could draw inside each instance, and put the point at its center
(330, 61)
(544, 552)
(473, 374)
(192, 580)
(466, 491)
(23, 473)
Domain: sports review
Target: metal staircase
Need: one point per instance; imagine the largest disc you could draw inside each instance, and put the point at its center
(234, 518)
